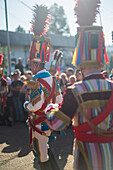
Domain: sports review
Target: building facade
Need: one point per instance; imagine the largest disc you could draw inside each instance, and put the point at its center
(20, 45)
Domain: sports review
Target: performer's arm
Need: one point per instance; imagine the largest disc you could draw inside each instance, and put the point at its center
(59, 118)
(36, 103)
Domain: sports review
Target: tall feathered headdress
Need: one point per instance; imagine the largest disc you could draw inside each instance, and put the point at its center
(40, 20)
(86, 11)
(89, 41)
(40, 46)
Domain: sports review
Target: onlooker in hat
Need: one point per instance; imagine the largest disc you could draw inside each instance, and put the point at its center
(15, 87)
(28, 72)
(69, 72)
(64, 80)
(20, 66)
(72, 80)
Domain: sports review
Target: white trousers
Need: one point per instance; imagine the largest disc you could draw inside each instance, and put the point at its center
(40, 145)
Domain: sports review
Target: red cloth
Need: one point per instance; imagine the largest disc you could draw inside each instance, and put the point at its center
(80, 131)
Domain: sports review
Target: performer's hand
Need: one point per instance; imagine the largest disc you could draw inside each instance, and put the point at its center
(50, 111)
(25, 106)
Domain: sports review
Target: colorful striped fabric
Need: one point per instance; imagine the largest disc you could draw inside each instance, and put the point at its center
(89, 46)
(93, 94)
(100, 155)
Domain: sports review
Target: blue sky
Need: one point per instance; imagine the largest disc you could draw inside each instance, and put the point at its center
(19, 14)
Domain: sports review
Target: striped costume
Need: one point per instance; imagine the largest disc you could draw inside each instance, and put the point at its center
(44, 89)
(84, 102)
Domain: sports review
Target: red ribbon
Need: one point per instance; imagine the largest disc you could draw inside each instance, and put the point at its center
(80, 131)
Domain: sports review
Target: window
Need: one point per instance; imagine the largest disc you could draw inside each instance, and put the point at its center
(94, 41)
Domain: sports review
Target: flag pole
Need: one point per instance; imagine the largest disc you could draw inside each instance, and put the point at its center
(8, 40)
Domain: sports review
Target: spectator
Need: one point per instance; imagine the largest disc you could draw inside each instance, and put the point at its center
(10, 109)
(79, 75)
(28, 73)
(23, 78)
(25, 89)
(20, 66)
(69, 72)
(64, 80)
(72, 80)
(15, 87)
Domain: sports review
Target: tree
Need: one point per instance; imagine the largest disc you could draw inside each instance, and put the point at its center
(20, 29)
(59, 21)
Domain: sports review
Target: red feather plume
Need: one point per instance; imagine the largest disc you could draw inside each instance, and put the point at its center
(1, 59)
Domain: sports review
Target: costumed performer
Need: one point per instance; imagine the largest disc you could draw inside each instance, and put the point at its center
(88, 103)
(3, 94)
(44, 88)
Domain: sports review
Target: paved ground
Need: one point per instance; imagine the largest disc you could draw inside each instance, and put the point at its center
(15, 153)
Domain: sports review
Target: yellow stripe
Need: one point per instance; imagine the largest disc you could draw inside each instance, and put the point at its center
(76, 52)
(92, 104)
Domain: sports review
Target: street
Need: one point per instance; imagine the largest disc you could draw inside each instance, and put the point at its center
(16, 154)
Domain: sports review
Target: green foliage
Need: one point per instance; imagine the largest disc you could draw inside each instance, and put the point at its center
(59, 21)
(20, 29)
(4, 51)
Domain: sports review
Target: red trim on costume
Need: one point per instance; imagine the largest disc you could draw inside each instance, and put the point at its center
(40, 112)
(32, 127)
(39, 120)
(44, 48)
(99, 57)
(48, 53)
(80, 131)
(30, 136)
(4, 99)
(34, 50)
(51, 90)
(94, 138)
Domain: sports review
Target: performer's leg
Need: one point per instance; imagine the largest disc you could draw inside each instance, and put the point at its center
(45, 165)
(40, 146)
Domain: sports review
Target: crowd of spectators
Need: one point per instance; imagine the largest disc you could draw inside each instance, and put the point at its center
(18, 92)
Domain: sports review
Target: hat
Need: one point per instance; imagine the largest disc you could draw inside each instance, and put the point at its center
(40, 46)
(89, 41)
(15, 73)
(18, 71)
